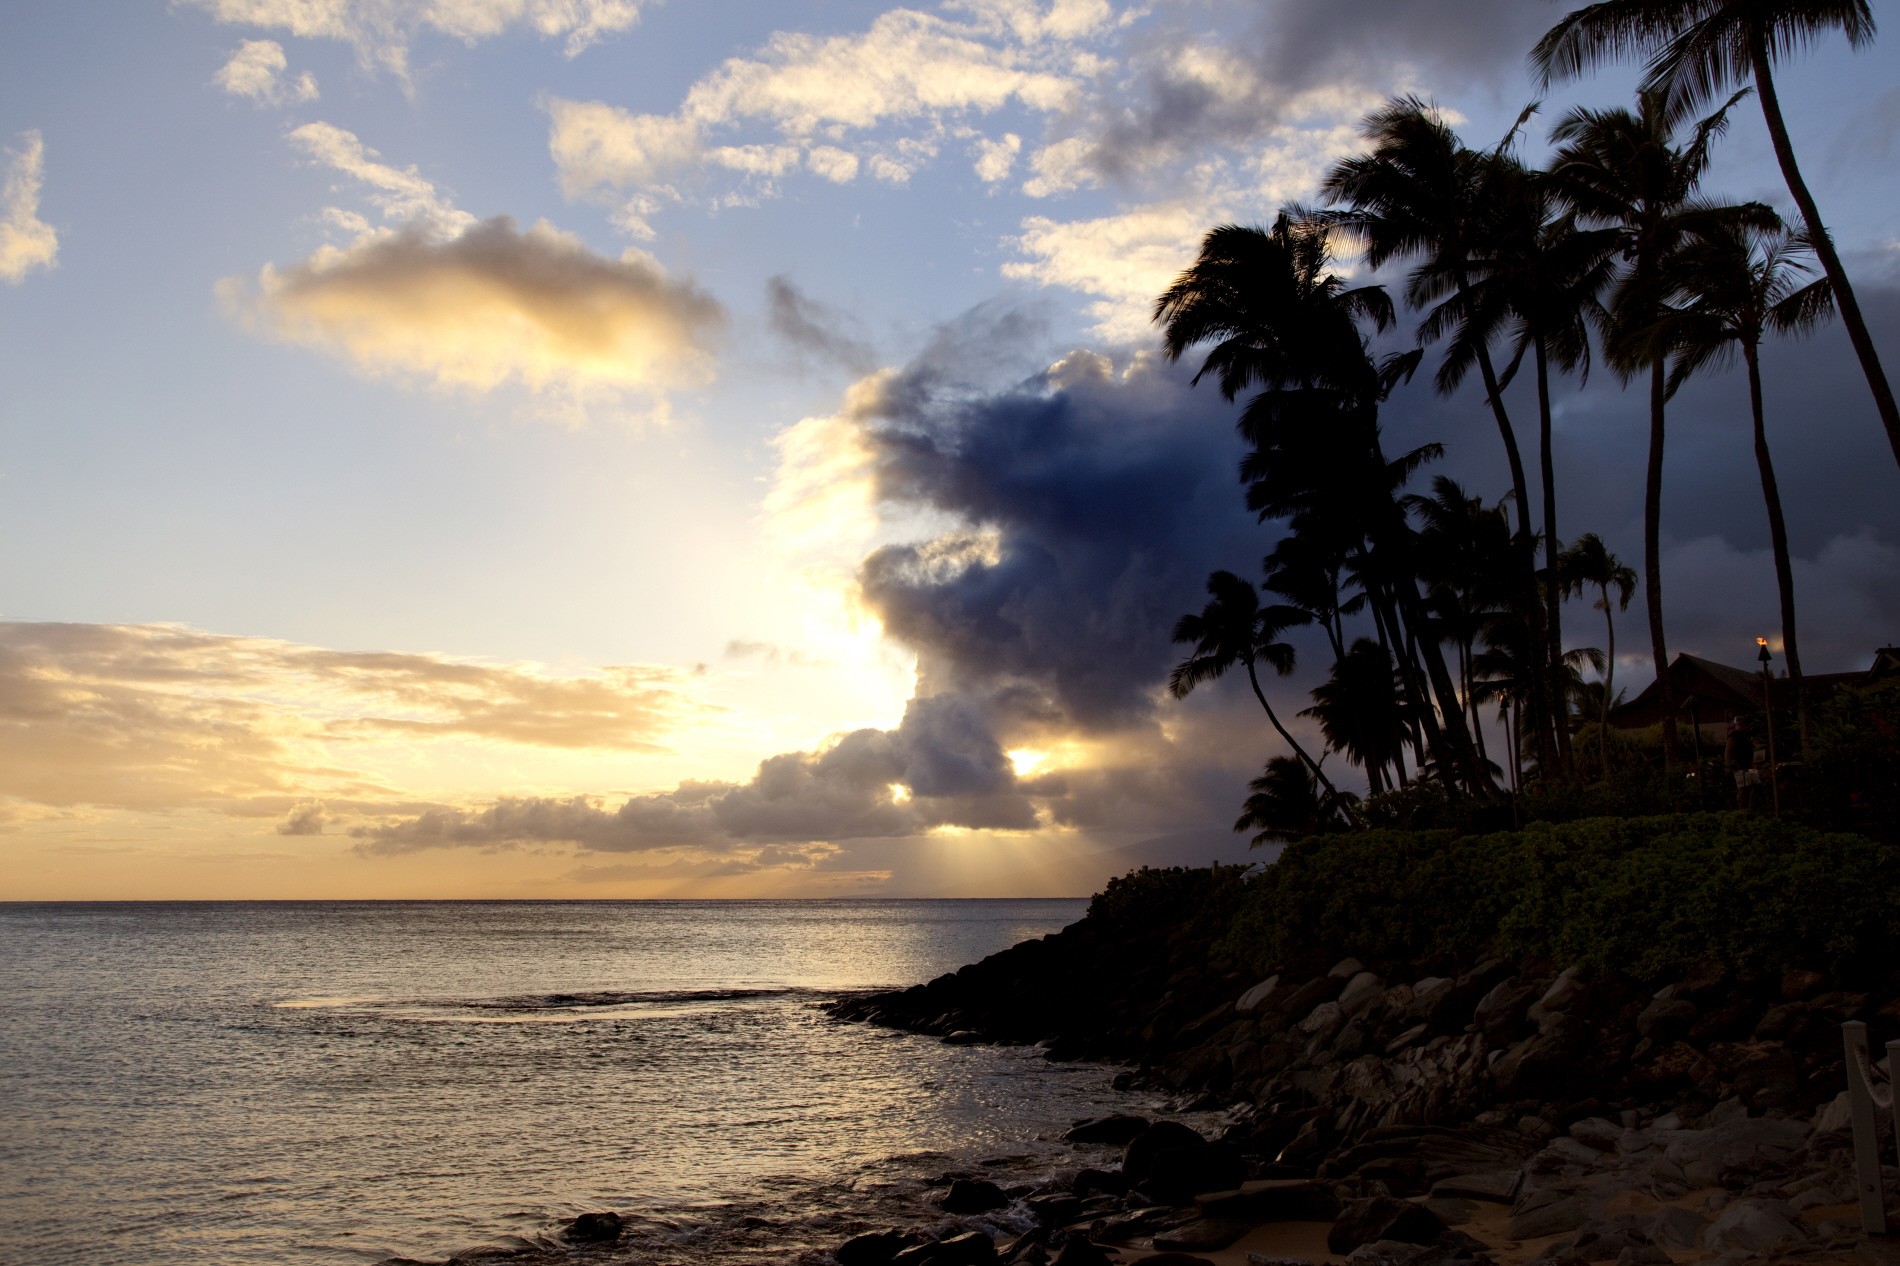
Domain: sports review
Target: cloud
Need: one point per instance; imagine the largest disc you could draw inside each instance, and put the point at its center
(490, 305)
(402, 194)
(160, 717)
(995, 158)
(256, 71)
(26, 241)
(816, 93)
(814, 329)
(381, 31)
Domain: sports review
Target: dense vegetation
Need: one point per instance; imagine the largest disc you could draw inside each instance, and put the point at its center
(1441, 607)
(1639, 896)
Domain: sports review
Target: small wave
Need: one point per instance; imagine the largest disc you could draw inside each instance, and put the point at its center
(584, 1005)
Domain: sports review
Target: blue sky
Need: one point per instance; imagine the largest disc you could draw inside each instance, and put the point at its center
(360, 541)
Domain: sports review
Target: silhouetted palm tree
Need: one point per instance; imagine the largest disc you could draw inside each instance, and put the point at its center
(1287, 804)
(1471, 567)
(1363, 712)
(1589, 562)
(1536, 283)
(1233, 628)
(1736, 283)
(1697, 48)
(1623, 169)
(1282, 321)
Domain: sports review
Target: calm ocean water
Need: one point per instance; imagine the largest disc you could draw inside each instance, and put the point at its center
(337, 1082)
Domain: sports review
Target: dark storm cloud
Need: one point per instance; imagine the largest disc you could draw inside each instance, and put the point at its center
(814, 329)
(1251, 68)
(1106, 497)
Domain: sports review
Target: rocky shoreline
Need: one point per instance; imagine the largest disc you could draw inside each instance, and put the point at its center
(1503, 1112)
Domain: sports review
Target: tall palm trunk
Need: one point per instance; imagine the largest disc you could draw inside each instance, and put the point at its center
(1609, 682)
(1777, 535)
(1652, 559)
(1553, 647)
(1253, 679)
(1823, 245)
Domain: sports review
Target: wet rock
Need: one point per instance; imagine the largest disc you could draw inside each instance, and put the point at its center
(1382, 1218)
(962, 1037)
(1204, 1235)
(1054, 1210)
(1090, 1182)
(1115, 1130)
(1179, 1174)
(874, 1248)
(1272, 1200)
(1081, 1251)
(972, 1248)
(593, 1228)
(1138, 1157)
(967, 1196)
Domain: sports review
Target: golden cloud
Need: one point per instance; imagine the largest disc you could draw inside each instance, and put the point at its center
(488, 306)
(159, 717)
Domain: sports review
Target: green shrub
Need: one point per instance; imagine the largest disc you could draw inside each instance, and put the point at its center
(1637, 895)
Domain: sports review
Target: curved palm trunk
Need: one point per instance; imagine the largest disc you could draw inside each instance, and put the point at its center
(1777, 535)
(1844, 298)
(1553, 648)
(1652, 560)
(1253, 679)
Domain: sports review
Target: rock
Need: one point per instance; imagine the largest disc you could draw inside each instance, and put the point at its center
(1597, 1132)
(1346, 969)
(1323, 1021)
(1138, 1157)
(1562, 996)
(1360, 992)
(967, 1196)
(593, 1228)
(1498, 1186)
(1797, 984)
(1055, 1209)
(1115, 1130)
(875, 1248)
(1568, 1151)
(1283, 1200)
(963, 1037)
(1499, 1012)
(1753, 1226)
(1563, 1211)
(1678, 1228)
(1175, 1259)
(1741, 1147)
(1451, 1212)
(1095, 1181)
(1382, 1218)
(1667, 1019)
(1080, 1251)
(1204, 1235)
(1178, 1174)
(1251, 1000)
(1836, 1114)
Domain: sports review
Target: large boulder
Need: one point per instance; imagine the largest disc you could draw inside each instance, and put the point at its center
(1382, 1218)
(972, 1196)
(1179, 1174)
(1138, 1158)
(874, 1248)
(1753, 1226)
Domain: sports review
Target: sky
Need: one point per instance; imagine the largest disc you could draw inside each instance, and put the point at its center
(633, 448)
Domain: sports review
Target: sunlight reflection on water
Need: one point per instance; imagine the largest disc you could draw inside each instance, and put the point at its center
(332, 1082)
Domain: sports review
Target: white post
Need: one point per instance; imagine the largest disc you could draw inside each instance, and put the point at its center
(1860, 1099)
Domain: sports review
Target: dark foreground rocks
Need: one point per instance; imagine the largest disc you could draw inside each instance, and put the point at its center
(1617, 1120)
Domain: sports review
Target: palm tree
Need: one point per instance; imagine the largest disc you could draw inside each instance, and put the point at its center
(1589, 562)
(1421, 192)
(1363, 712)
(1737, 283)
(1623, 169)
(1470, 566)
(1280, 320)
(1286, 804)
(1696, 49)
(1232, 629)
(1536, 282)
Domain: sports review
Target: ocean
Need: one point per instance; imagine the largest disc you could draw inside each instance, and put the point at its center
(346, 1082)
